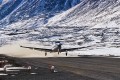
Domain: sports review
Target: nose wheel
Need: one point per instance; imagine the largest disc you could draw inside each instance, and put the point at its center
(66, 53)
(58, 51)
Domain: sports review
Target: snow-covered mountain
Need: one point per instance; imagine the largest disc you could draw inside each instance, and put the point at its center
(36, 13)
(93, 13)
(16, 10)
(6, 7)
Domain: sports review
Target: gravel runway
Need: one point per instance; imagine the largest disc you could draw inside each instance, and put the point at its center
(89, 68)
(95, 68)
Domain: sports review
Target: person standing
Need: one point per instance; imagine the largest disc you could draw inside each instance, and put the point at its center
(52, 69)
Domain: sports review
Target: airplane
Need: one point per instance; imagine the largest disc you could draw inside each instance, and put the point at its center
(56, 48)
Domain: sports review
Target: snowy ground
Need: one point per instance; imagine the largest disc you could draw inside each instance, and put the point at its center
(15, 50)
(99, 52)
(98, 41)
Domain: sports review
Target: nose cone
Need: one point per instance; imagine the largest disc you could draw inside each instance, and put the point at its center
(58, 43)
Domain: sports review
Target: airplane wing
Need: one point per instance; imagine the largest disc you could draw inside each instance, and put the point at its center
(39, 49)
(71, 49)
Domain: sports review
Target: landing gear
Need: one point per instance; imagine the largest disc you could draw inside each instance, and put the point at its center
(45, 53)
(66, 53)
(58, 51)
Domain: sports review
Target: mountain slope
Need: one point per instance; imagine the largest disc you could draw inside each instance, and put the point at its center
(8, 7)
(93, 13)
(90, 13)
(17, 10)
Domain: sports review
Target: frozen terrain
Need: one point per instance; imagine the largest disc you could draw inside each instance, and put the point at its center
(91, 23)
(97, 41)
(93, 13)
(15, 50)
(19, 10)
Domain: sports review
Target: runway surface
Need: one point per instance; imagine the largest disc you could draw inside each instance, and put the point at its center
(89, 68)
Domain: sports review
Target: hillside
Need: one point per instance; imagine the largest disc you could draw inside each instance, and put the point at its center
(18, 10)
(93, 13)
